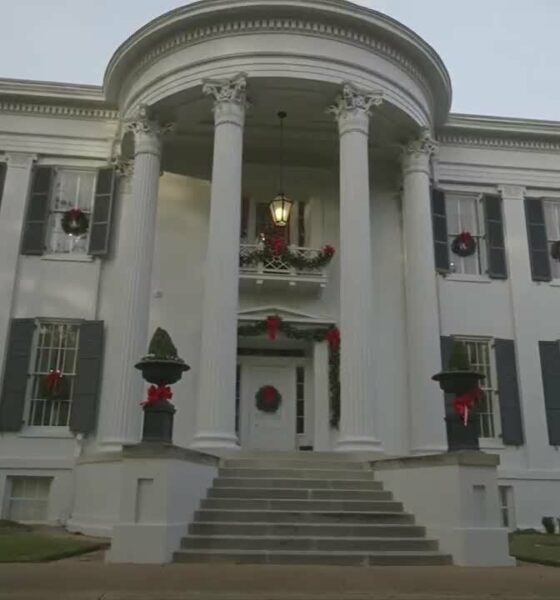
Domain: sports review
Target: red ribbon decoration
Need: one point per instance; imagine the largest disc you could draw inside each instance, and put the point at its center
(157, 394)
(463, 404)
(333, 338)
(52, 380)
(272, 325)
(328, 250)
(278, 246)
(269, 394)
(465, 238)
(75, 213)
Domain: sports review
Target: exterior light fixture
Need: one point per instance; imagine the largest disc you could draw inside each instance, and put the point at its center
(281, 206)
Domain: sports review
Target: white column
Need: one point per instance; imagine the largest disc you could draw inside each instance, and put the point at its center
(123, 388)
(12, 215)
(357, 379)
(426, 408)
(215, 419)
(321, 397)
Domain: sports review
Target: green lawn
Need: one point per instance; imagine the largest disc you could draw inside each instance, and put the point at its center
(22, 544)
(540, 548)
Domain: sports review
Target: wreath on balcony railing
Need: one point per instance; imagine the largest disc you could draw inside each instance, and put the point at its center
(464, 244)
(276, 248)
(273, 325)
(74, 222)
(268, 399)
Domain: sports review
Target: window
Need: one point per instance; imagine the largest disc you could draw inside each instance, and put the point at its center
(237, 397)
(56, 349)
(72, 188)
(505, 496)
(552, 223)
(28, 498)
(256, 221)
(482, 360)
(300, 400)
(465, 213)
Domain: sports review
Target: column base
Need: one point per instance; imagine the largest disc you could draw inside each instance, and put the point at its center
(214, 440)
(358, 444)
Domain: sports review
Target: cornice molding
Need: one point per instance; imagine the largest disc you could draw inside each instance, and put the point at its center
(506, 143)
(53, 110)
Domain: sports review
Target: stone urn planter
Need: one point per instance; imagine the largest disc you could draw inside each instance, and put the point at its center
(161, 367)
(460, 380)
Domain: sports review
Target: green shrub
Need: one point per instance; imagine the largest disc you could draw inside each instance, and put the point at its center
(459, 359)
(549, 524)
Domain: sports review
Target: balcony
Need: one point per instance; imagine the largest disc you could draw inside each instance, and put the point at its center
(277, 266)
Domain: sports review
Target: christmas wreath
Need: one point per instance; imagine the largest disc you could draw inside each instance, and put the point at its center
(555, 250)
(464, 244)
(74, 222)
(54, 385)
(268, 399)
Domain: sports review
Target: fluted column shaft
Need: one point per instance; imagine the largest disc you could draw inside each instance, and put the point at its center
(123, 419)
(357, 379)
(426, 408)
(215, 421)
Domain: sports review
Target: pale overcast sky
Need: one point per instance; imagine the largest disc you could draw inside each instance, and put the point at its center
(502, 54)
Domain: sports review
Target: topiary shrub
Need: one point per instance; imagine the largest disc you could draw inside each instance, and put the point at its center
(162, 347)
(459, 359)
(549, 525)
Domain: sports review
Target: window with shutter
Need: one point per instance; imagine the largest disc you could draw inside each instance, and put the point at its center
(550, 367)
(37, 215)
(100, 226)
(2, 180)
(495, 243)
(439, 227)
(552, 225)
(539, 252)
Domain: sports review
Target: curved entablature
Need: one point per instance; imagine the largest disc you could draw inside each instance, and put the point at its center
(321, 40)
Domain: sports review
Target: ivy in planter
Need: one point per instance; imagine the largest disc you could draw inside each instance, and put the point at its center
(270, 249)
(273, 325)
(555, 250)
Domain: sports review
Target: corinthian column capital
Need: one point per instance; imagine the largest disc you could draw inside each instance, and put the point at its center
(416, 154)
(147, 130)
(230, 99)
(352, 108)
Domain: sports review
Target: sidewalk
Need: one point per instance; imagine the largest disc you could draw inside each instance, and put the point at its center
(78, 580)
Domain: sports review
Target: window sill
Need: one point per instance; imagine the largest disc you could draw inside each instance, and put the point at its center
(554, 283)
(468, 278)
(68, 257)
(47, 432)
(491, 444)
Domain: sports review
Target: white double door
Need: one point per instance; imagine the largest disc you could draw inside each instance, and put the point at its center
(262, 430)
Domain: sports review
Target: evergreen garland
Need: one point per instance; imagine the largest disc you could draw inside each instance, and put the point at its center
(277, 248)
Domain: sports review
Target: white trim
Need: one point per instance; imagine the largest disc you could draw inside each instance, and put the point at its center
(68, 257)
(465, 278)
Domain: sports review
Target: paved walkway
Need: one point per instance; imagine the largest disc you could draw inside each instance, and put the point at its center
(77, 580)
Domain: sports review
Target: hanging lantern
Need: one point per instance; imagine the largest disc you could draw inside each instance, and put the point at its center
(281, 206)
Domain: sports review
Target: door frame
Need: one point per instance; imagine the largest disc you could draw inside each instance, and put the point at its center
(246, 405)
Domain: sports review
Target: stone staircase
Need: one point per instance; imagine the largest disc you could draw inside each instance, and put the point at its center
(313, 509)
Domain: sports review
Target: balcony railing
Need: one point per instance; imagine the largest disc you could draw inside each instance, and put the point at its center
(294, 264)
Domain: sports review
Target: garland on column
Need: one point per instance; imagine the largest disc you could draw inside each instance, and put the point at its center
(273, 325)
(272, 248)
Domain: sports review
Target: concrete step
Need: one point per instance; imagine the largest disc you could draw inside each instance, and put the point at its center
(330, 544)
(298, 494)
(310, 516)
(315, 558)
(303, 505)
(323, 484)
(307, 529)
(297, 463)
(297, 473)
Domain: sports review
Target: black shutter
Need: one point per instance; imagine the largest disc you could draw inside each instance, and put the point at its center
(16, 372)
(550, 366)
(497, 268)
(446, 343)
(439, 226)
(538, 246)
(34, 230)
(2, 180)
(508, 393)
(87, 386)
(100, 226)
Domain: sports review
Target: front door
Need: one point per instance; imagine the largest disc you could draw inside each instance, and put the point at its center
(265, 430)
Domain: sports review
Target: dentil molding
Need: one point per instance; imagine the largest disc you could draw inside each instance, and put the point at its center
(52, 110)
(506, 143)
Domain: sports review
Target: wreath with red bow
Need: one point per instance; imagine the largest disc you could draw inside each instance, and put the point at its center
(268, 399)
(74, 222)
(464, 244)
(555, 250)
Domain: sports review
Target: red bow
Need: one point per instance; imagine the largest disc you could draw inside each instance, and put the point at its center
(333, 338)
(75, 213)
(465, 238)
(463, 404)
(269, 394)
(278, 245)
(272, 325)
(157, 394)
(52, 379)
(328, 250)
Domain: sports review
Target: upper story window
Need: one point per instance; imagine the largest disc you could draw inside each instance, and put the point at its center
(477, 217)
(73, 189)
(552, 223)
(257, 222)
(55, 192)
(52, 373)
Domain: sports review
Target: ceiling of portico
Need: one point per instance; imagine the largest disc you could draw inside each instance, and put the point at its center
(311, 137)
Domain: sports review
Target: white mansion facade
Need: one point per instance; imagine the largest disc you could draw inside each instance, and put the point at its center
(174, 162)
